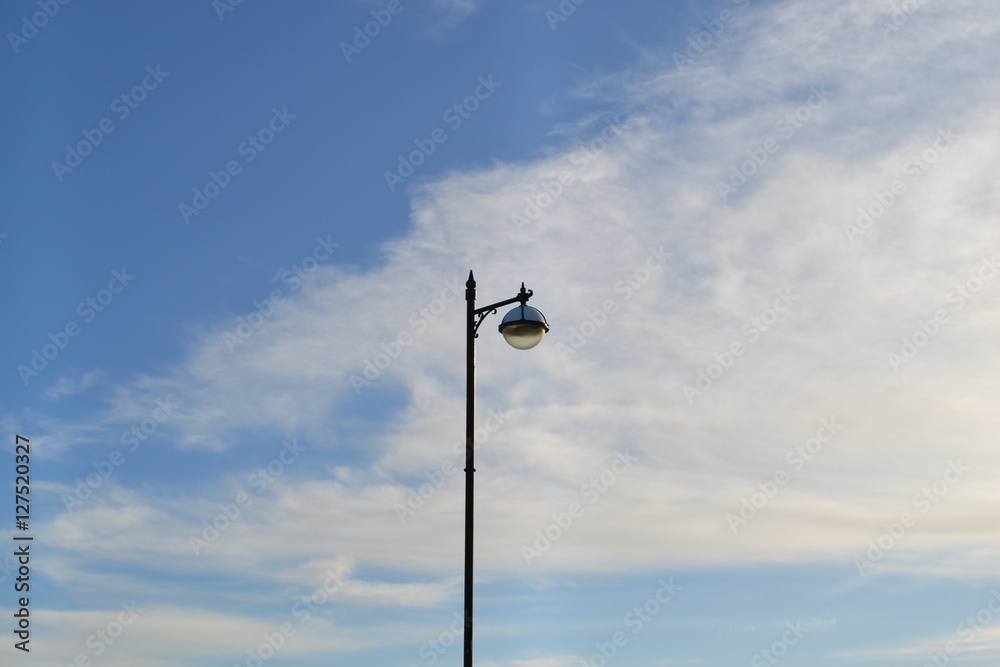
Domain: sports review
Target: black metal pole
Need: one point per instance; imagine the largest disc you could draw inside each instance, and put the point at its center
(470, 451)
(474, 317)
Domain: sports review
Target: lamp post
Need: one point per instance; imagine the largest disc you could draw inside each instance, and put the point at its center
(523, 327)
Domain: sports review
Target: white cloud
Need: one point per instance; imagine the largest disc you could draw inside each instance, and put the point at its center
(183, 634)
(972, 640)
(653, 185)
(556, 661)
(67, 386)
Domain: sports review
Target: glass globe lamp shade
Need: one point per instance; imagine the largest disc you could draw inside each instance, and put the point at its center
(523, 327)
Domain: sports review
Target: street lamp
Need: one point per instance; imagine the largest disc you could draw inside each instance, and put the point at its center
(523, 327)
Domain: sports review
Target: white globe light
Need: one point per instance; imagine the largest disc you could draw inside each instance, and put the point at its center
(524, 327)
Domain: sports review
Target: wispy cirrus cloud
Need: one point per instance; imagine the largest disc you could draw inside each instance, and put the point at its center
(67, 386)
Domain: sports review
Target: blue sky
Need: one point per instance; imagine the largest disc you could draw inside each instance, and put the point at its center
(758, 432)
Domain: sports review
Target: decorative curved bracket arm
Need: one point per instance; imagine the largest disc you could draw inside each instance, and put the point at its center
(480, 316)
